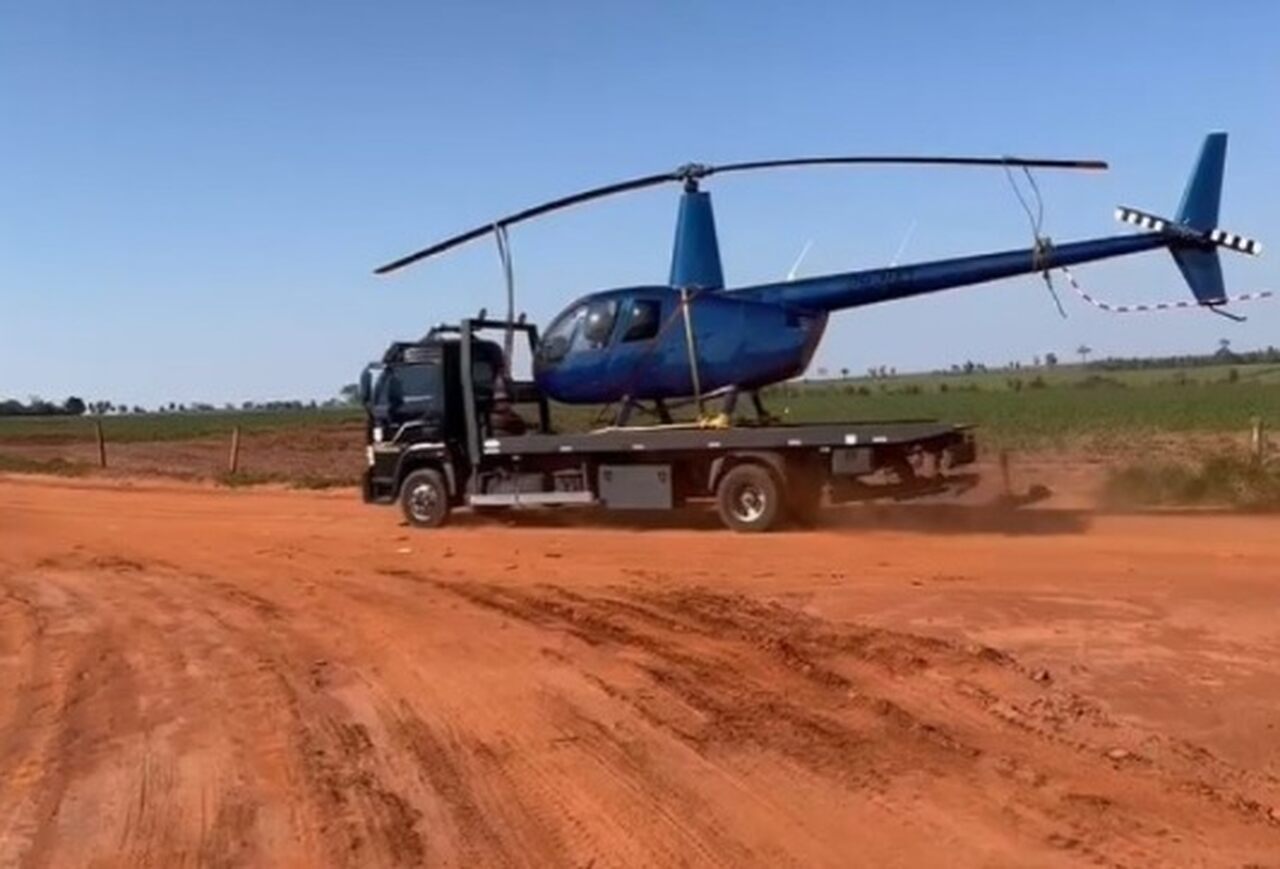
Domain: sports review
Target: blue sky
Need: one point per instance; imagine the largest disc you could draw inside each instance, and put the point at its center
(194, 195)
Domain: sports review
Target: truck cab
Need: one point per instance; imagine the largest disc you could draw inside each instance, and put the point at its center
(429, 403)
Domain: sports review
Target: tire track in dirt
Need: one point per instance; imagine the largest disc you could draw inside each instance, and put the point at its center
(344, 802)
(864, 707)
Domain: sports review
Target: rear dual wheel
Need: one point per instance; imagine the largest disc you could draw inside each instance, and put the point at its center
(749, 498)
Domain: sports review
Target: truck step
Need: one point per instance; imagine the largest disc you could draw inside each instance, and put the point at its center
(529, 499)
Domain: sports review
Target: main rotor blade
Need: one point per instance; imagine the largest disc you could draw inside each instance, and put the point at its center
(1029, 162)
(535, 211)
(692, 172)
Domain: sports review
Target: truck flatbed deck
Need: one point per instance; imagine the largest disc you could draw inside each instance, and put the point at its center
(693, 437)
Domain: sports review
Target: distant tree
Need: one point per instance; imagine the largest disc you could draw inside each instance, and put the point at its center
(1051, 360)
(844, 373)
(1084, 350)
(74, 406)
(350, 394)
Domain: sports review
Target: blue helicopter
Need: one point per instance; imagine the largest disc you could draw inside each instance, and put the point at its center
(693, 337)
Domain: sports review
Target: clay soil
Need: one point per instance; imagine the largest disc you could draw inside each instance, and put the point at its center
(196, 675)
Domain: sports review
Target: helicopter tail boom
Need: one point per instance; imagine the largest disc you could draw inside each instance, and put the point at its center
(1193, 239)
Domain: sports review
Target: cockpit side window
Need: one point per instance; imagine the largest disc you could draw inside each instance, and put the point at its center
(597, 325)
(555, 344)
(642, 323)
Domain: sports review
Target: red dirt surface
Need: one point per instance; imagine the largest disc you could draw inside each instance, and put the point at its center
(263, 677)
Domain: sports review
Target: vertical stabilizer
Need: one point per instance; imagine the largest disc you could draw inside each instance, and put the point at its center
(1199, 208)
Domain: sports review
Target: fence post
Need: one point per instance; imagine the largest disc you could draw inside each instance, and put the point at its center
(1257, 441)
(102, 443)
(233, 461)
(1004, 473)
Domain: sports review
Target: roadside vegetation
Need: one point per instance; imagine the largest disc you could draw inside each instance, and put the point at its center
(1226, 480)
(176, 426)
(23, 465)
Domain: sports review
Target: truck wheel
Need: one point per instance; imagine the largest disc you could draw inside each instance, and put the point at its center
(424, 498)
(748, 498)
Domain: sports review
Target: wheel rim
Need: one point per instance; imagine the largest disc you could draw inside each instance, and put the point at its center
(749, 503)
(423, 502)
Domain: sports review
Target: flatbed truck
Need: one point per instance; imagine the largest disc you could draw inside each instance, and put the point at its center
(442, 433)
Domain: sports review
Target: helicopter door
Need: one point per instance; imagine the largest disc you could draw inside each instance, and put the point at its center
(640, 325)
(597, 325)
(643, 321)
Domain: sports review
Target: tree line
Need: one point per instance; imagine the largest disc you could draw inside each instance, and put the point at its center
(76, 406)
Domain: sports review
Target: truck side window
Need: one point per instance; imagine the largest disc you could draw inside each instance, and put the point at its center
(643, 324)
(417, 382)
(598, 325)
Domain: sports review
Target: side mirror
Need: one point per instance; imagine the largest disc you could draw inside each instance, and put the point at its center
(366, 386)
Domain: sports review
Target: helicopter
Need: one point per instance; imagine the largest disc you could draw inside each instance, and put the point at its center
(693, 337)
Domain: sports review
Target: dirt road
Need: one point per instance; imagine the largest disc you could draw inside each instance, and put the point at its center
(193, 675)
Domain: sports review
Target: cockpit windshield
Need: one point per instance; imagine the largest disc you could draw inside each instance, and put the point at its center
(583, 327)
(559, 338)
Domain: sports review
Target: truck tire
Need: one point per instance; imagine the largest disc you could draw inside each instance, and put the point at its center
(424, 498)
(748, 498)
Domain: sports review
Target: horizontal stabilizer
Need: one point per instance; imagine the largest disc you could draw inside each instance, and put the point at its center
(1236, 242)
(1220, 237)
(1125, 214)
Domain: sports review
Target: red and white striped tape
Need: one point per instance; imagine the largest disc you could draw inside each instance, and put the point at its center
(1158, 306)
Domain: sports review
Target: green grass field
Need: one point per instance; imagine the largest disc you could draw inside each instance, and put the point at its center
(130, 428)
(1028, 408)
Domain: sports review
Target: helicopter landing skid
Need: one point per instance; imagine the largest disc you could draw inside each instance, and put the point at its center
(763, 417)
(661, 410)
